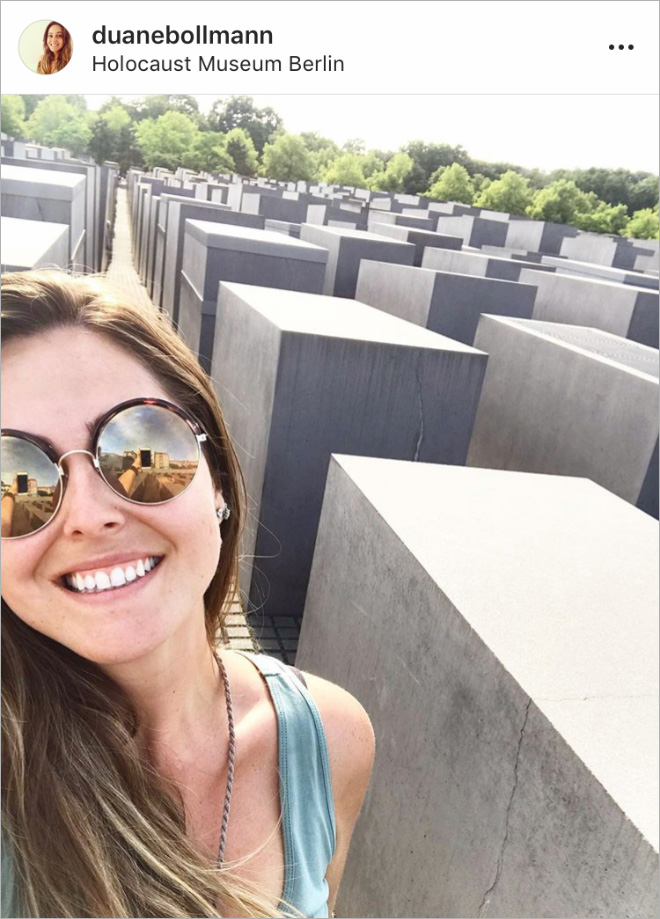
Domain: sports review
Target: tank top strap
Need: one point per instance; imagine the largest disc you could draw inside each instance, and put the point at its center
(308, 813)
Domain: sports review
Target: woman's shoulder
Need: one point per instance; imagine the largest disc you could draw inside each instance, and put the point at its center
(351, 748)
(349, 733)
(345, 719)
(347, 726)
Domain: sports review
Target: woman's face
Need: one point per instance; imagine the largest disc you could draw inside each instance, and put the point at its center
(55, 39)
(56, 385)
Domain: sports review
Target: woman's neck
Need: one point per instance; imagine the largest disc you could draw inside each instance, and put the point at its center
(178, 692)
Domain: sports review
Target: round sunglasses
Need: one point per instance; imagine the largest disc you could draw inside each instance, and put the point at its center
(146, 450)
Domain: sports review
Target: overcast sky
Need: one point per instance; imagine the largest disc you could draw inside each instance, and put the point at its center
(548, 132)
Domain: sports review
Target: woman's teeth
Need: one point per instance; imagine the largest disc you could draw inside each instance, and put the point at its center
(112, 579)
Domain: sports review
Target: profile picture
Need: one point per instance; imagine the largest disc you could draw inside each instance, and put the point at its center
(45, 46)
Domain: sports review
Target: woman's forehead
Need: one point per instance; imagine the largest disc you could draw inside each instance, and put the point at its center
(56, 383)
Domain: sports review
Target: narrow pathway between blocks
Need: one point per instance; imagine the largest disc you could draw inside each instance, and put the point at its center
(275, 635)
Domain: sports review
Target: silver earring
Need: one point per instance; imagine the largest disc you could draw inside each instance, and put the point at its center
(223, 513)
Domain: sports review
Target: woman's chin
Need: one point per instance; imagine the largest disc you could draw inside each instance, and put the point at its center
(116, 651)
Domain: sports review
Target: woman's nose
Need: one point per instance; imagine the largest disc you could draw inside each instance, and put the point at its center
(89, 506)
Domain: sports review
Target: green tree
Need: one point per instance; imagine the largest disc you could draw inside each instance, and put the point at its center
(452, 183)
(113, 138)
(315, 142)
(287, 159)
(481, 183)
(560, 202)
(636, 190)
(643, 224)
(347, 169)
(152, 107)
(373, 163)
(644, 193)
(57, 123)
(394, 175)
(166, 140)
(354, 145)
(208, 153)
(77, 101)
(427, 159)
(13, 116)
(31, 101)
(604, 218)
(510, 193)
(322, 149)
(239, 146)
(261, 124)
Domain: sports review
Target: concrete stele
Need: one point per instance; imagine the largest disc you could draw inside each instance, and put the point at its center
(28, 244)
(214, 252)
(346, 247)
(442, 301)
(501, 630)
(567, 400)
(300, 375)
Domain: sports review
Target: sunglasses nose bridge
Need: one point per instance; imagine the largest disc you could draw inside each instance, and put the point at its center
(70, 453)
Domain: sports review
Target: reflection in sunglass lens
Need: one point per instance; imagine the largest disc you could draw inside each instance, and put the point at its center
(148, 454)
(30, 487)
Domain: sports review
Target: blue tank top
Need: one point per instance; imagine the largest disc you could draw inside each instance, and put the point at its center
(308, 813)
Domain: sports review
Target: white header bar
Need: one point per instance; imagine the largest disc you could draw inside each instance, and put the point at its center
(344, 46)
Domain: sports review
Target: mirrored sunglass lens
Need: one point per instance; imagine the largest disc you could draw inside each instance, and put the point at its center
(148, 454)
(30, 487)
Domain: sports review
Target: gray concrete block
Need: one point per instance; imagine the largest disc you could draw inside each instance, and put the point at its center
(273, 208)
(441, 301)
(501, 631)
(598, 248)
(108, 177)
(54, 197)
(176, 215)
(631, 312)
(28, 244)
(420, 239)
(563, 265)
(474, 231)
(155, 281)
(482, 266)
(346, 248)
(214, 252)
(568, 400)
(538, 235)
(391, 218)
(326, 374)
(282, 226)
(92, 260)
(145, 187)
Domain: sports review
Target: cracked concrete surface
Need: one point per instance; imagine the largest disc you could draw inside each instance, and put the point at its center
(420, 436)
(485, 903)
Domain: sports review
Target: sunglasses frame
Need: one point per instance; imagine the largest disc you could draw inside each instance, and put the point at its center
(51, 453)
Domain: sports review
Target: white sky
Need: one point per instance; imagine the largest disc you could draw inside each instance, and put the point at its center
(548, 132)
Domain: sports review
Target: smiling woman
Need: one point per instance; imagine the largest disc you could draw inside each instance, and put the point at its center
(122, 506)
(57, 49)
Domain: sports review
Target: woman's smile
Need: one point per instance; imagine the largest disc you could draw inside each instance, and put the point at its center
(108, 580)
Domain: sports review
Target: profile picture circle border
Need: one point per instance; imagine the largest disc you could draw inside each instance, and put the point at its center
(31, 47)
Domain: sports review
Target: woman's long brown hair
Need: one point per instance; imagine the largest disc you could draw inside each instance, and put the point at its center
(93, 830)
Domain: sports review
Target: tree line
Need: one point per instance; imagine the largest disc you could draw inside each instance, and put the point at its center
(238, 136)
